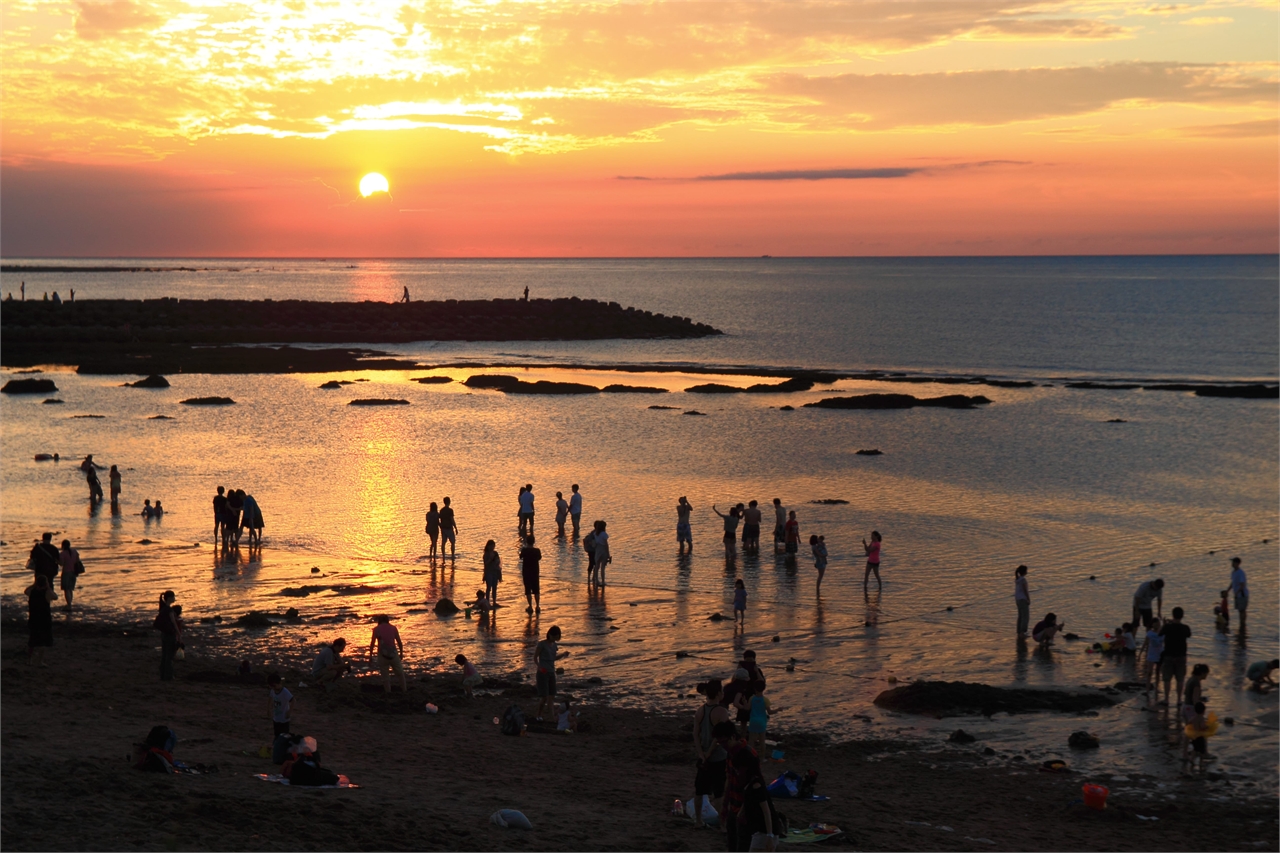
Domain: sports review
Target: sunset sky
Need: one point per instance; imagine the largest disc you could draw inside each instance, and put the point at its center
(883, 127)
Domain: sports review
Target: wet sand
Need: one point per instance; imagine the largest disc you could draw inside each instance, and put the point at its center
(431, 782)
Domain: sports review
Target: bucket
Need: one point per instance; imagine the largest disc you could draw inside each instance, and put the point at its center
(1095, 796)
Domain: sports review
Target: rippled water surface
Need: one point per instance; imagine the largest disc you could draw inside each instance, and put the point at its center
(1039, 477)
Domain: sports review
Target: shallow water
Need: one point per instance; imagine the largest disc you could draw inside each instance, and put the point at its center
(1037, 477)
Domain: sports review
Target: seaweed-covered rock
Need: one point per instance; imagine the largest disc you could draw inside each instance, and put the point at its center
(378, 401)
(445, 607)
(632, 389)
(433, 380)
(29, 386)
(208, 401)
(870, 452)
(155, 380)
(960, 698)
(255, 619)
(502, 383)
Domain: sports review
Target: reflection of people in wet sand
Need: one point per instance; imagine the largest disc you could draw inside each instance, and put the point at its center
(684, 533)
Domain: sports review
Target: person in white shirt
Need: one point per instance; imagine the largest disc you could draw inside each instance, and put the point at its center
(1240, 588)
(526, 509)
(603, 558)
(281, 704)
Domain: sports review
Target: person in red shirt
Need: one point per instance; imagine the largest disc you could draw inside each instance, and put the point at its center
(390, 651)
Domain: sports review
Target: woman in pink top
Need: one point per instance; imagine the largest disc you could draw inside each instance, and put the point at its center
(873, 559)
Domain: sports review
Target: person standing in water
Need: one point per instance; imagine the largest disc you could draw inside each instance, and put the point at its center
(873, 559)
(1240, 587)
(492, 572)
(526, 509)
(1021, 598)
(71, 568)
(751, 517)
(433, 527)
(684, 533)
(562, 513)
(603, 556)
(530, 573)
(114, 480)
(730, 530)
(779, 524)
(575, 508)
(250, 520)
(448, 530)
(819, 546)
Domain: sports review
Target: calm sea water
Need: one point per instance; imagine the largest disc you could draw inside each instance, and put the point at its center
(1038, 477)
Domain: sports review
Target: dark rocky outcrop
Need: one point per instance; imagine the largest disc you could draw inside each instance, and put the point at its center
(632, 389)
(666, 408)
(795, 383)
(208, 401)
(159, 418)
(445, 607)
(696, 413)
(1249, 391)
(1083, 740)
(433, 380)
(899, 401)
(255, 619)
(960, 698)
(331, 385)
(872, 452)
(155, 380)
(378, 401)
(512, 385)
(961, 736)
(29, 386)
(52, 401)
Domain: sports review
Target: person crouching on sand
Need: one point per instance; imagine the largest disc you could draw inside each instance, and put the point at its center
(329, 665)
(1046, 629)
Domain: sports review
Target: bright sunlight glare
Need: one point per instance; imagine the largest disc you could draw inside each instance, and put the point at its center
(373, 183)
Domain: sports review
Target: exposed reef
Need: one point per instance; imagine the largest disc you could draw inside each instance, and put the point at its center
(378, 401)
(208, 401)
(898, 401)
(155, 380)
(962, 698)
(166, 335)
(29, 386)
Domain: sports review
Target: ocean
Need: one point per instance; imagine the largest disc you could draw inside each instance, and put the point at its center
(1042, 475)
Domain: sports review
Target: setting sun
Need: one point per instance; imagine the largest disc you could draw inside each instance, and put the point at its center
(373, 183)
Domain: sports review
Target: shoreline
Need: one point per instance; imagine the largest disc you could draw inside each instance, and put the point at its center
(431, 781)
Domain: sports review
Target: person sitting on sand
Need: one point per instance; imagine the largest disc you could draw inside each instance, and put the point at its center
(481, 604)
(566, 717)
(390, 648)
(329, 665)
(471, 678)
(1259, 675)
(1045, 630)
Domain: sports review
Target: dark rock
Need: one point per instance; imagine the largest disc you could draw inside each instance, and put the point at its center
(559, 670)
(155, 380)
(1083, 740)
(899, 401)
(595, 679)
(1117, 421)
(986, 750)
(208, 401)
(1130, 685)
(378, 401)
(52, 401)
(716, 617)
(488, 381)
(433, 380)
(776, 639)
(696, 412)
(1070, 636)
(29, 386)
(666, 408)
(682, 654)
(331, 385)
(159, 418)
(961, 736)
(959, 698)
(632, 389)
(445, 607)
(1103, 385)
(796, 383)
(713, 388)
(786, 408)
(872, 452)
(92, 417)
(1230, 721)
(544, 387)
(291, 616)
(950, 608)
(830, 501)
(255, 619)
(144, 542)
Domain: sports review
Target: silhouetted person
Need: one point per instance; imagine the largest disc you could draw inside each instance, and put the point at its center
(45, 559)
(73, 294)
(448, 529)
(530, 573)
(57, 300)
(526, 293)
(23, 291)
(405, 298)
(219, 510)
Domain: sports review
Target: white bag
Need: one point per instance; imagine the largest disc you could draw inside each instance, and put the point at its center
(709, 814)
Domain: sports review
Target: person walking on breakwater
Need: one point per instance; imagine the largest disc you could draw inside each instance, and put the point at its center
(114, 484)
(873, 559)
(390, 649)
(170, 634)
(530, 573)
(526, 509)
(1240, 588)
(219, 512)
(448, 530)
(492, 572)
(819, 546)
(602, 553)
(1147, 592)
(45, 559)
(562, 513)
(405, 298)
(433, 527)
(684, 533)
(71, 570)
(1022, 598)
(779, 524)
(730, 530)
(751, 528)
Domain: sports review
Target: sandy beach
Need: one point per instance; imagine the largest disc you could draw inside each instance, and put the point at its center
(431, 781)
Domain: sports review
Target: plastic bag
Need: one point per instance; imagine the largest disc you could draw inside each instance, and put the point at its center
(786, 785)
(709, 814)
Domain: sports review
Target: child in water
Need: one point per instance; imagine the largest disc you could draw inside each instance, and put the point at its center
(739, 602)
(1154, 648)
(471, 678)
(1221, 615)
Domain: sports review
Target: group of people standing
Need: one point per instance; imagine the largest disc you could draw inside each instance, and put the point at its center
(234, 513)
(47, 563)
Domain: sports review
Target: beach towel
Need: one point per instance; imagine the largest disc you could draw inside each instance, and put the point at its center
(343, 781)
(811, 834)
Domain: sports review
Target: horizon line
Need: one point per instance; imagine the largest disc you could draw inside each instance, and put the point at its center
(7, 258)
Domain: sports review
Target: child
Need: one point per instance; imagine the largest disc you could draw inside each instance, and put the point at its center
(1046, 628)
(739, 602)
(759, 720)
(819, 546)
(147, 511)
(873, 558)
(1221, 615)
(566, 717)
(481, 604)
(1259, 675)
(1199, 727)
(1128, 644)
(1151, 664)
(471, 678)
(281, 704)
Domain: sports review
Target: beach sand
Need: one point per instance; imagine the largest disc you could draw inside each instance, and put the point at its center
(432, 781)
